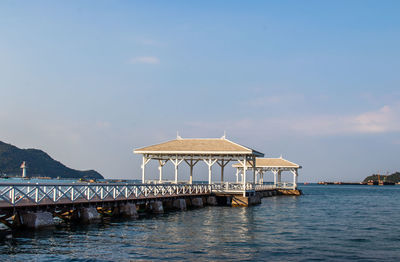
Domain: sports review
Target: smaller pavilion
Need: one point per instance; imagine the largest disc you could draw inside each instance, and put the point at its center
(276, 166)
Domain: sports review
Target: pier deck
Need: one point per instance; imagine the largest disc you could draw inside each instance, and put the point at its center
(65, 200)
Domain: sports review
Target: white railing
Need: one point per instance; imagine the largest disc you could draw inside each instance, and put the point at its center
(265, 187)
(238, 187)
(285, 185)
(33, 194)
(229, 187)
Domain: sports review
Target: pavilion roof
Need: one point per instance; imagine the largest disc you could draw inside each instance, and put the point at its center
(206, 146)
(271, 162)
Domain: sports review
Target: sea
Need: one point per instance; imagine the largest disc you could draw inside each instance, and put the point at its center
(327, 223)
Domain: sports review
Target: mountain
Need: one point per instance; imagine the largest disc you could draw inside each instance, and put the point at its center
(395, 178)
(39, 163)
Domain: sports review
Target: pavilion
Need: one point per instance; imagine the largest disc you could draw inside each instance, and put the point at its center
(276, 166)
(210, 150)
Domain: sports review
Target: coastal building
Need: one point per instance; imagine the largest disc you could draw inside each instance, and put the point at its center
(23, 167)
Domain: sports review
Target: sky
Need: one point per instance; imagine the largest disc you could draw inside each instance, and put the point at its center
(316, 82)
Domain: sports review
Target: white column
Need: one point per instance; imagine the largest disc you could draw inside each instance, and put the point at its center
(295, 174)
(222, 165)
(161, 163)
(144, 162)
(244, 176)
(191, 165)
(191, 175)
(254, 172)
(222, 171)
(143, 166)
(237, 175)
(160, 170)
(274, 172)
(210, 163)
(176, 174)
(209, 174)
(176, 163)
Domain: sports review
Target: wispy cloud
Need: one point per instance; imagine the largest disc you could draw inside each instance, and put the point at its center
(148, 42)
(384, 120)
(269, 100)
(153, 60)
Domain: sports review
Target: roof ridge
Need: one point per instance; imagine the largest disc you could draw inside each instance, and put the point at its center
(280, 158)
(156, 144)
(238, 144)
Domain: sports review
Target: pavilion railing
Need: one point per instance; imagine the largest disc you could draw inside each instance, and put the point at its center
(238, 187)
(285, 185)
(231, 187)
(46, 193)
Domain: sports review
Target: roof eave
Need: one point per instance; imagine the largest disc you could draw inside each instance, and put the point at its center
(196, 152)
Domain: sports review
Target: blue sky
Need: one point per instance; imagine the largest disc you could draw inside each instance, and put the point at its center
(315, 81)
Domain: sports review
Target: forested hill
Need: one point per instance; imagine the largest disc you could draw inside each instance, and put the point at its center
(395, 177)
(39, 164)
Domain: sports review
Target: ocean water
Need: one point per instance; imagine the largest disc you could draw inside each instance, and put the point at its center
(333, 223)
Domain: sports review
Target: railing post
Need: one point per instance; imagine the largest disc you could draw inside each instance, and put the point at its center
(72, 193)
(54, 193)
(36, 194)
(12, 195)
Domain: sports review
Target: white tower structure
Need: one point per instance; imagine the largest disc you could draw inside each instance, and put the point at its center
(23, 166)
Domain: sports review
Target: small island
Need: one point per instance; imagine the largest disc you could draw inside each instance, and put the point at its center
(39, 164)
(377, 179)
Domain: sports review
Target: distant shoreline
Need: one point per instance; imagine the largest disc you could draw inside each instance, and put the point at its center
(357, 183)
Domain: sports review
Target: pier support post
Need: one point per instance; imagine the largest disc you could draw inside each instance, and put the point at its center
(128, 210)
(212, 201)
(179, 204)
(197, 202)
(157, 207)
(37, 219)
(88, 214)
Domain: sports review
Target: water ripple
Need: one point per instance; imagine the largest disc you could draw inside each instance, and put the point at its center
(335, 223)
